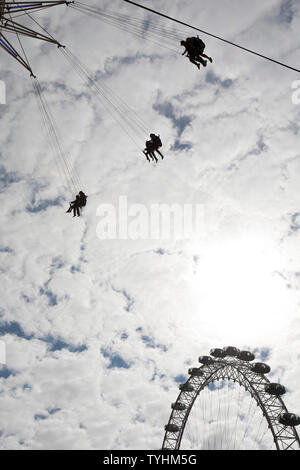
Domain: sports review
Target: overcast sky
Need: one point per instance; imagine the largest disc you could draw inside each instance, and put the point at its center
(99, 333)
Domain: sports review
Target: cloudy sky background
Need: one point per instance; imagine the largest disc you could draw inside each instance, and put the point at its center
(99, 333)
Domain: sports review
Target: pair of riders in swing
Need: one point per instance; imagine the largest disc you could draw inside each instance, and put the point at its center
(77, 204)
(152, 146)
(194, 49)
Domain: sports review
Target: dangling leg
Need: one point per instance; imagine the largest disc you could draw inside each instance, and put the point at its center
(162, 157)
(194, 62)
(153, 156)
(202, 61)
(206, 57)
(146, 155)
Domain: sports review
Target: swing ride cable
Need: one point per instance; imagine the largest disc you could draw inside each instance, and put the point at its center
(66, 167)
(139, 24)
(139, 34)
(126, 125)
(137, 31)
(213, 35)
(71, 177)
(61, 160)
(60, 167)
(156, 34)
(130, 122)
(69, 172)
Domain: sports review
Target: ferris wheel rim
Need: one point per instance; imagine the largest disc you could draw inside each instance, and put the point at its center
(237, 371)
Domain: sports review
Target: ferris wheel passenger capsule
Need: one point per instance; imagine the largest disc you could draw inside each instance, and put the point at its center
(246, 356)
(260, 368)
(171, 428)
(186, 387)
(289, 419)
(231, 351)
(195, 372)
(178, 406)
(217, 352)
(275, 389)
(206, 360)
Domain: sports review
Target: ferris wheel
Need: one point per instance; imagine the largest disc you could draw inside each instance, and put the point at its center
(228, 403)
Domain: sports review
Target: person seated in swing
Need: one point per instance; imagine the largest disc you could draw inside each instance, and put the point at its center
(149, 151)
(76, 205)
(194, 48)
(82, 198)
(156, 143)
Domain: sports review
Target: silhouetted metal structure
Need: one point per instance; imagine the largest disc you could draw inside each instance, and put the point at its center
(10, 12)
(234, 365)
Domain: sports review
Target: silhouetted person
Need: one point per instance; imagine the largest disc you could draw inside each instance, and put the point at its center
(75, 205)
(191, 54)
(199, 47)
(156, 143)
(149, 151)
(146, 153)
(82, 198)
(194, 48)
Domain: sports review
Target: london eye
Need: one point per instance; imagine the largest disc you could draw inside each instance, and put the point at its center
(229, 403)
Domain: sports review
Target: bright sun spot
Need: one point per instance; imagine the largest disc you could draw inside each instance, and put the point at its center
(241, 292)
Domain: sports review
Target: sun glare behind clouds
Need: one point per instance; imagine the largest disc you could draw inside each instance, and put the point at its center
(244, 296)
